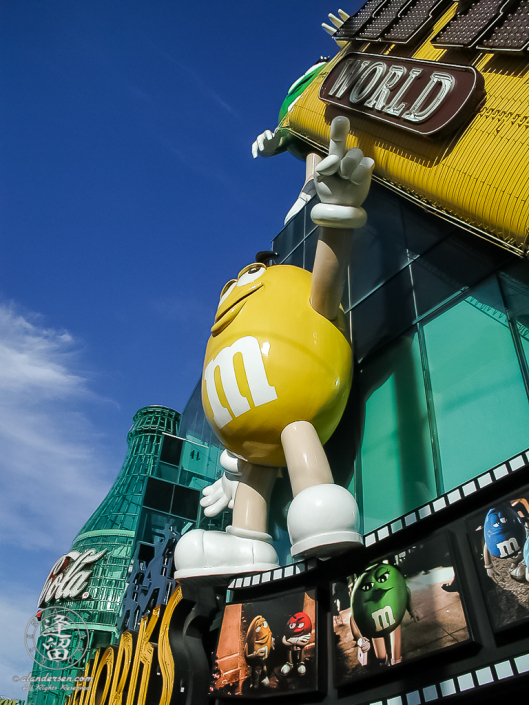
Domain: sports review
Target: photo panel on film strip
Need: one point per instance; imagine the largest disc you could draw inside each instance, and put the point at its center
(498, 535)
(268, 647)
(403, 607)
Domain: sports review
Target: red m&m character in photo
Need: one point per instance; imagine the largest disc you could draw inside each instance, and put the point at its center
(296, 638)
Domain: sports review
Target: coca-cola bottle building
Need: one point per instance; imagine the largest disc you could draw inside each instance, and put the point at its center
(92, 577)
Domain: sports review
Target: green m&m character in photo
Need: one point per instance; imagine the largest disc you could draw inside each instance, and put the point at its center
(379, 601)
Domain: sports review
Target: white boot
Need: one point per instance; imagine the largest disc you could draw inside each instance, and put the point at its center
(200, 553)
(322, 521)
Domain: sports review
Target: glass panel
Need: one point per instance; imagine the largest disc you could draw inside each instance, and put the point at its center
(480, 402)
(185, 502)
(295, 258)
(455, 264)
(422, 230)
(167, 472)
(201, 456)
(213, 467)
(384, 315)
(291, 235)
(176, 523)
(198, 483)
(395, 460)
(158, 495)
(129, 522)
(153, 525)
(194, 456)
(379, 250)
(171, 449)
(193, 424)
(515, 285)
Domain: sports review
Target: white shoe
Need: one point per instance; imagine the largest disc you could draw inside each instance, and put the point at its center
(302, 669)
(200, 553)
(285, 670)
(323, 521)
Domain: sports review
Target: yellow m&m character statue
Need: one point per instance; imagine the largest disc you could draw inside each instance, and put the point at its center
(277, 374)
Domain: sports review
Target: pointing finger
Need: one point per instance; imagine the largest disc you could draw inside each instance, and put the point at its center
(339, 132)
(255, 151)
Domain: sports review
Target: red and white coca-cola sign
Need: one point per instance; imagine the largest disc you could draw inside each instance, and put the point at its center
(70, 576)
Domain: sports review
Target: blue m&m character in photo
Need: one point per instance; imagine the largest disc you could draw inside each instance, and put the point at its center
(504, 531)
(504, 535)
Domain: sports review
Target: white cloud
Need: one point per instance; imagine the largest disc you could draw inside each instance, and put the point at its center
(54, 470)
(15, 612)
(52, 467)
(32, 358)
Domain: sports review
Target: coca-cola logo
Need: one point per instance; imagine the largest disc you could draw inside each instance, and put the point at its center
(69, 576)
(424, 97)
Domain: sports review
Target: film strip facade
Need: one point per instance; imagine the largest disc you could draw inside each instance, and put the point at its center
(488, 660)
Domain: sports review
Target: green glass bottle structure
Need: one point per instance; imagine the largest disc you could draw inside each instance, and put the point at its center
(116, 527)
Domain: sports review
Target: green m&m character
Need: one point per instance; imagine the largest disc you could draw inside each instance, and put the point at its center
(379, 600)
(269, 143)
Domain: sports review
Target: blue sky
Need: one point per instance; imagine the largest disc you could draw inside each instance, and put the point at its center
(128, 197)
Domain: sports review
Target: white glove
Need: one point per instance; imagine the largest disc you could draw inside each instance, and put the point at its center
(304, 640)
(221, 494)
(363, 644)
(342, 182)
(266, 144)
(218, 496)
